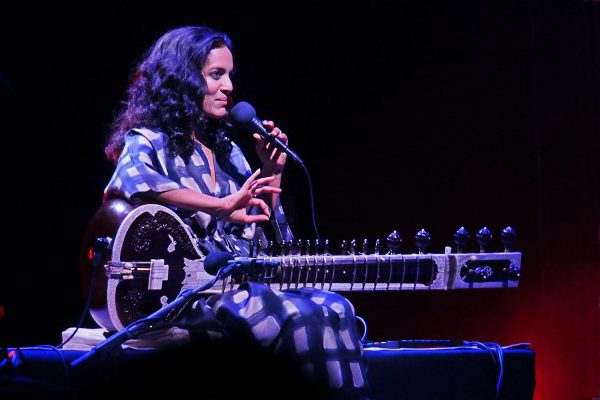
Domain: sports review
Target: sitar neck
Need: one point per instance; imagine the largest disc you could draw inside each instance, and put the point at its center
(350, 272)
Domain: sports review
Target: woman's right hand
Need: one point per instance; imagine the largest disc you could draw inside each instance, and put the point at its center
(235, 205)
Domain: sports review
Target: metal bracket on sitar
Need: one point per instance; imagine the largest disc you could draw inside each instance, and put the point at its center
(485, 270)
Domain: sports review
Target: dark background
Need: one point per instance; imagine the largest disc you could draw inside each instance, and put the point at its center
(431, 115)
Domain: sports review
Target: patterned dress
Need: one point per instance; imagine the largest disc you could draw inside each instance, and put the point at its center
(316, 329)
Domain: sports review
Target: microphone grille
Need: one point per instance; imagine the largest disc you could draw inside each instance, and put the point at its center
(243, 113)
(215, 260)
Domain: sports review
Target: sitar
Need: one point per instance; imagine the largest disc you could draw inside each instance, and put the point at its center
(135, 260)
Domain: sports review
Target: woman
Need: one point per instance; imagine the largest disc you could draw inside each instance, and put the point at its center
(170, 146)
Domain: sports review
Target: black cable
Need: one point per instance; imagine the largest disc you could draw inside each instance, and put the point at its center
(100, 246)
(56, 349)
(501, 372)
(86, 309)
(88, 301)
(312, 203)
(366, 329)
(497, 353)
(95, 264)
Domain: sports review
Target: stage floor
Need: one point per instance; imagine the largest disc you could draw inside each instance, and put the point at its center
(396, 370)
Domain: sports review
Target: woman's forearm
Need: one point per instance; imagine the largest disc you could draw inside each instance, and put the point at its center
(192, 200)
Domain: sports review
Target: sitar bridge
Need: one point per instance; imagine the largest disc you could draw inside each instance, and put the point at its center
(155, 270)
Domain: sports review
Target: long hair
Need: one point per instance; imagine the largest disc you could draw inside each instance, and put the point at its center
(167, 91)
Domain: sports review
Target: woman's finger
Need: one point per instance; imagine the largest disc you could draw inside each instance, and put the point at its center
(249, 219)
(263, 206)
(263, 181)
(252, 178)
(266, 189)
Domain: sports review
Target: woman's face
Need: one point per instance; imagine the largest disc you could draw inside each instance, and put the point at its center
(217, 73)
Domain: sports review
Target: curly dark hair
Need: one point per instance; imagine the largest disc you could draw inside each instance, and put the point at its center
(167, 91)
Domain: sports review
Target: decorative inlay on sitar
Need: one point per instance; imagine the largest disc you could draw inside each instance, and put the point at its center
(136, 260)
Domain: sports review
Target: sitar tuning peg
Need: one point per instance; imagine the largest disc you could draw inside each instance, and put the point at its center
(365, 247)
(286, 247)
(297, 247)
(422, 239)
(353, 247)
(484, 238)
(508, 236)
(343, 248)
(259, 248)
(377, 247)
(325, 249)
(461, 238)
(271, 249)
(307, 247)
(394, 241)
(317, 247)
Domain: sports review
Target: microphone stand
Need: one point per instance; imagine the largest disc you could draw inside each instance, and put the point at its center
(112, 346)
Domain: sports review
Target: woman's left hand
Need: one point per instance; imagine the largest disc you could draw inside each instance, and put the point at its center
(273, 159)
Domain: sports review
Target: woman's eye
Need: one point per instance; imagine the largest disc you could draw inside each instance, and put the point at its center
(215, 75)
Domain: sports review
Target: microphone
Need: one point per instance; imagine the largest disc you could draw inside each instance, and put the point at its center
(215, 260)
(244, 115)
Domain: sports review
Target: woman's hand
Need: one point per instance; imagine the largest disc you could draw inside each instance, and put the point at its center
(234, 205)
(273, 159)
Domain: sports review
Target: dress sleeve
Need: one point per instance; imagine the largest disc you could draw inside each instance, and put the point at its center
(138, 170)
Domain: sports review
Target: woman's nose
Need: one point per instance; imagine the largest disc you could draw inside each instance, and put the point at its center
(227, 86)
